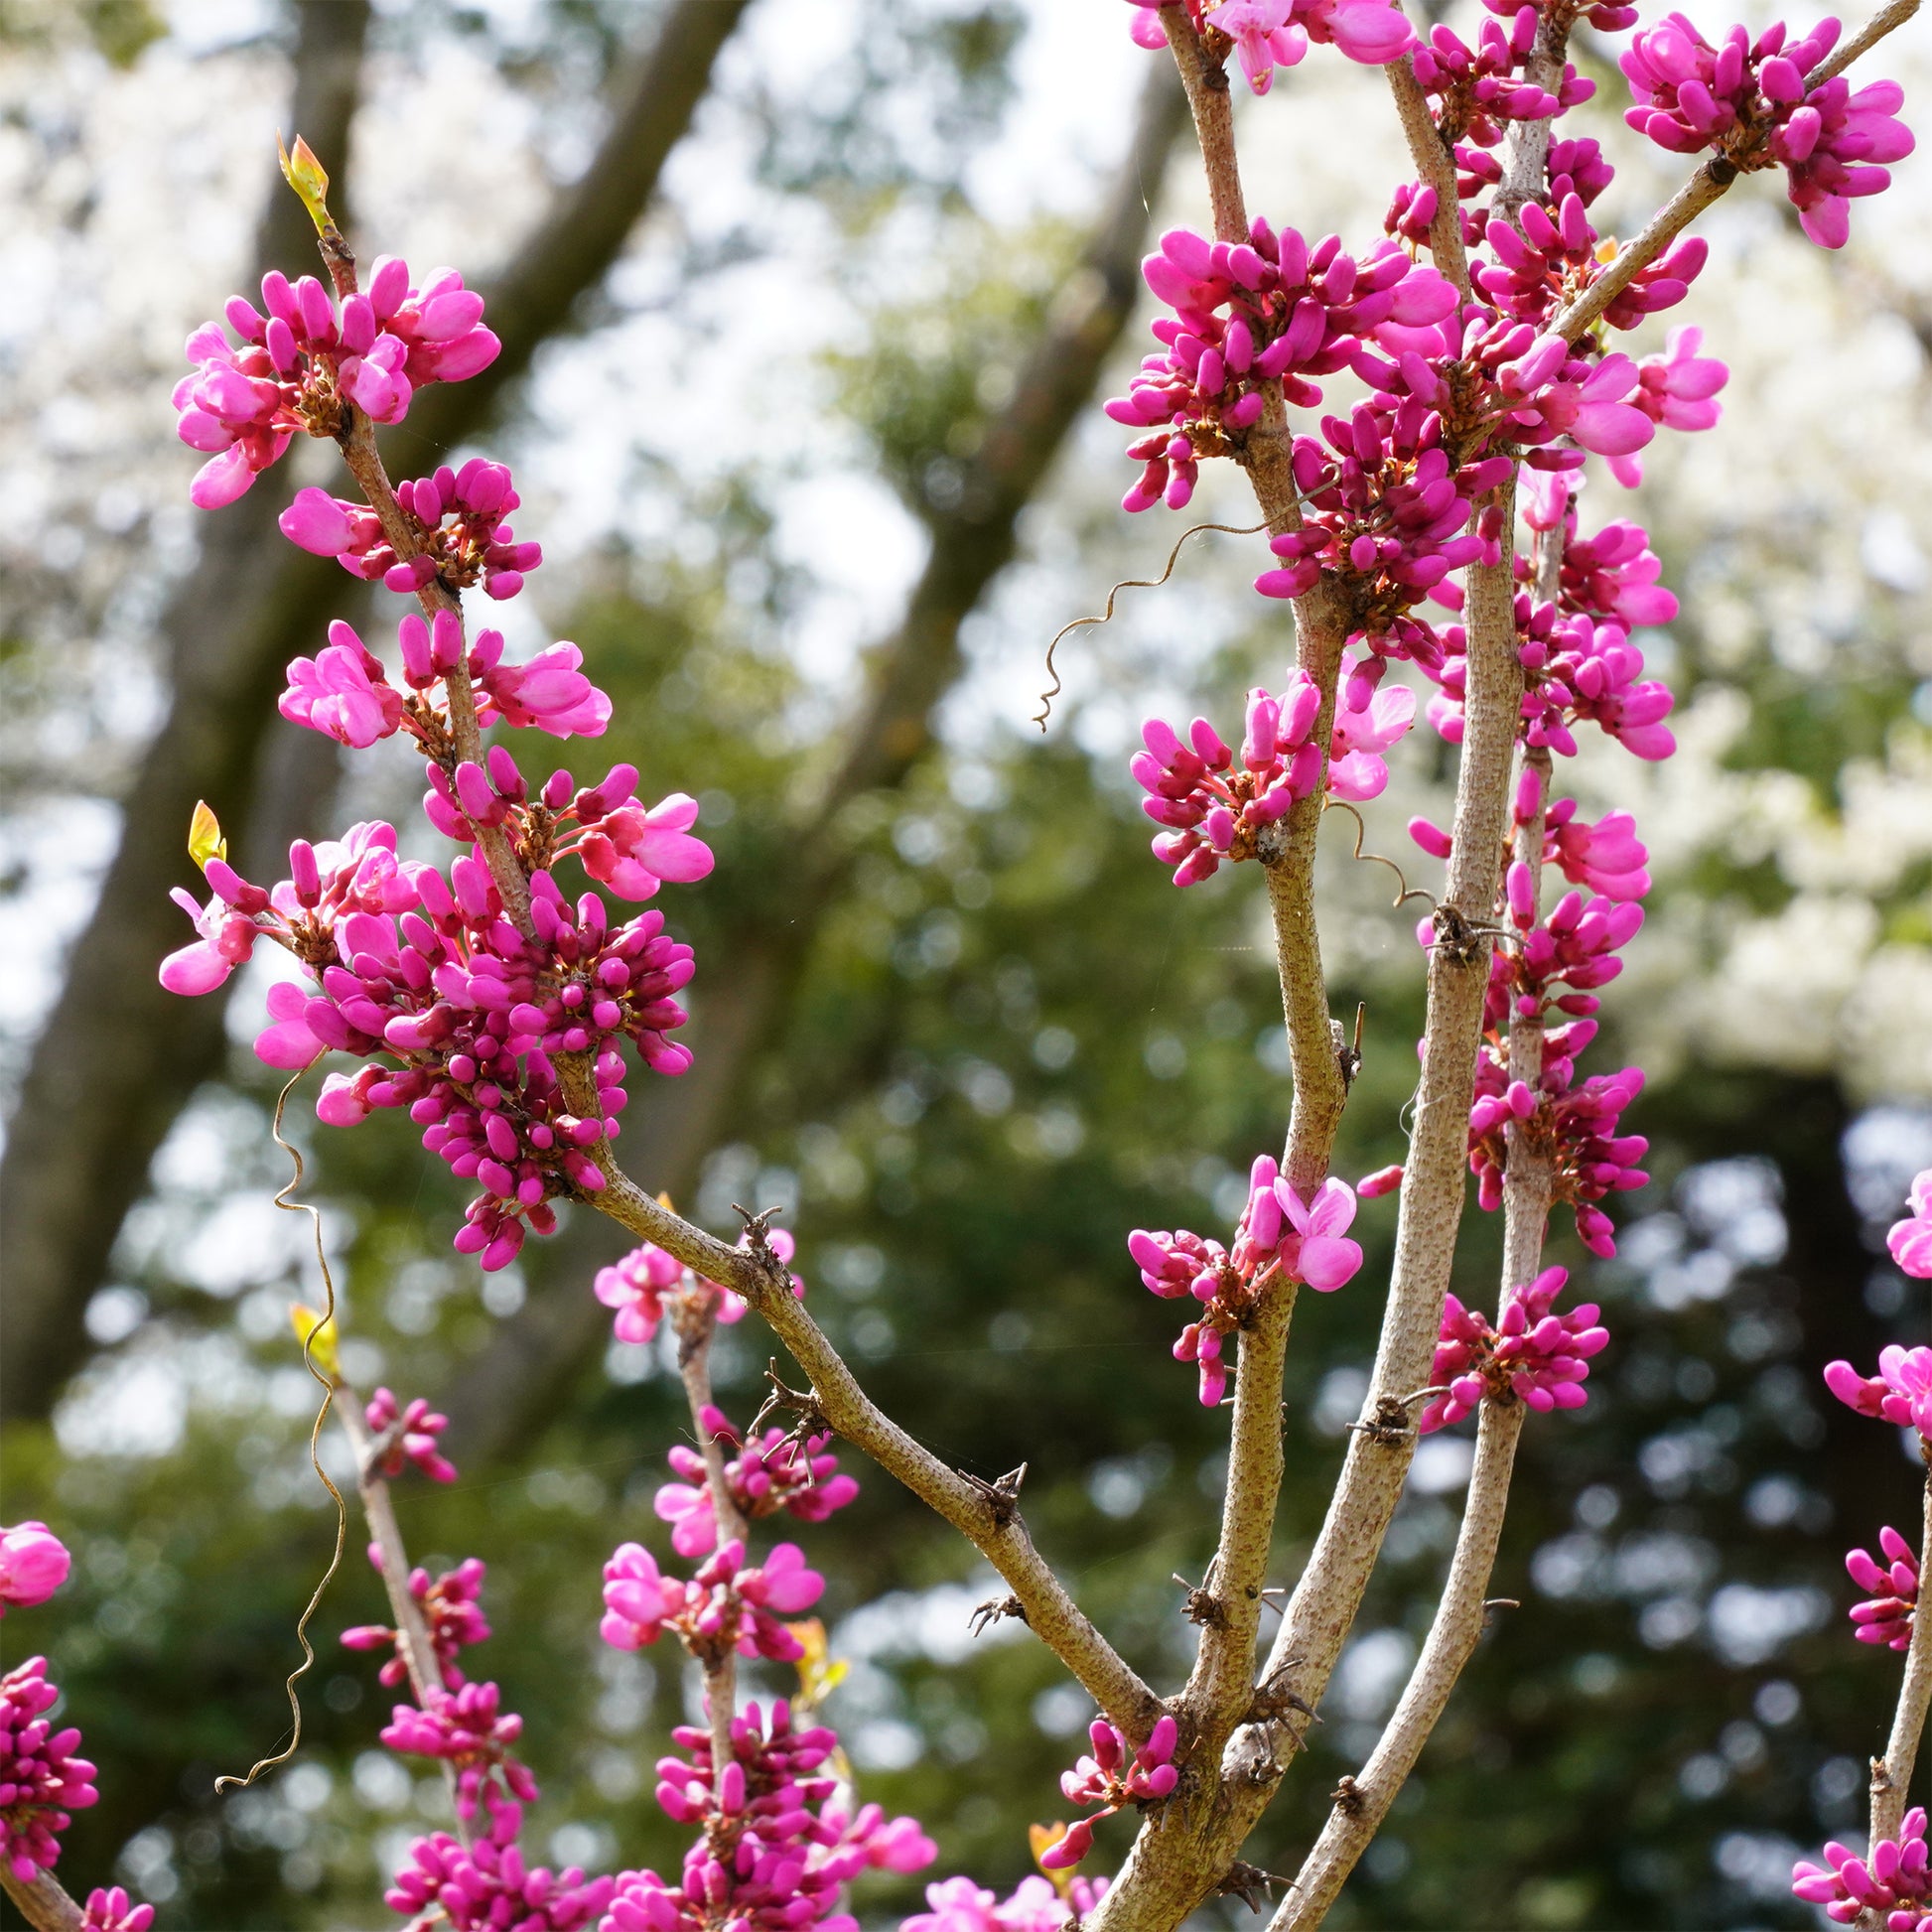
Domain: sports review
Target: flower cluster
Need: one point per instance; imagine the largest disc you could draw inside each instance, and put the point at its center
(42, 1781)
(452, 1611)
(1748, 100)
(468, 1728)
(458, 1013)
(1109, 1780)
(458, 533)
(1886, 1618)
(648, 1283)
(1246, 315)
(1479, 91)
(110, 1910)
(777, 1845)
(1532, 1354)
(303, 362)
(729, 1604)
(1911, 1240)
(486, 1887)
(407, 1436)
(1268, 34)
(960, 1905)
(33, 1564)
(1894, 1881)
(1280, 1237)
(1902, 1391)
(776, 1472)
(1215, 813)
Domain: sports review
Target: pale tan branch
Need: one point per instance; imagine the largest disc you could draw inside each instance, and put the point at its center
(45, 1905)
(1891, 1775)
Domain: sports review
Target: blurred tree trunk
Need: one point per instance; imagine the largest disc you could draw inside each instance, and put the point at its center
(119, 1057)
(503, 1397)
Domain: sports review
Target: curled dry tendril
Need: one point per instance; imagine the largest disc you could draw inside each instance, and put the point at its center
(1408, 891)
(224, 1784)
(1046, 697)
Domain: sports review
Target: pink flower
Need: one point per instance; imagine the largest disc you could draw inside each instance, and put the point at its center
(288, 1042)
(1892, 1883)
(1364, 731)
(764, 1477)
(1321, 1256)
(113, 1911)
(549, 692)
(42, 1782)
(452, 1613)
(1902, 1391)
(467, 1728)
(227, 939)
(487, 1885)
(635, 1288)
(1887, 1617)
(1539, 1358)
(633, 851)
(410, 1435)
(33, 1564)
(342, 692)
(1105, 1779)
(1369, 31)
(1911, 1240)
(1263, 38)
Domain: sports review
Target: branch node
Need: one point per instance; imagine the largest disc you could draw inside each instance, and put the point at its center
(1001, 1497)
(1389, 1425)
(803, 1403)
(986, 1614)
(1251, 1885)
(1202, 1605)
(1347, 1797)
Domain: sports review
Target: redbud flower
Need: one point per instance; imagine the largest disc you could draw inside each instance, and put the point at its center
(633, 851)
(33, 1564)
(487, 1888)
(1892, 1882)
(1887, 1617)
(635, 1288)
(1105, 1779)
(774, 1473)
(465, 1727)
(549, 692)
(42, 1782)
(1534, 1355)
(1902, 1391)
(111, 1910)
(452, 1614)
(962, 1905)
(1911, 1240)
(1749, 101)
(342, 692)
(725, 1606)
(410, 1435)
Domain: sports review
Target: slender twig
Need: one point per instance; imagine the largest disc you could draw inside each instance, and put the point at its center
(1436, 164)
(1452, 1640)
(1891, 1775)
(696, 1323)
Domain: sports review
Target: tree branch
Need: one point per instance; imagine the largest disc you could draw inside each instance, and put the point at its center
(46, 1904)
(1436, 164)
(999, 1533)
(1891, 1775)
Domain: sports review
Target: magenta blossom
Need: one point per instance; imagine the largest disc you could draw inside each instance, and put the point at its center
(962, 1905)
(1108, 1780)
(774, 1473)
(1894, 1584)
(33, 1564)
(1892, 1883)
(1902, 1391)
(1911, 1240)
(342, 692)
(42, 1782)
(549, 692)
(635, 1288)
(488, 1886)
(1534, 1355)
(725, 1606)
(467, 1728)
(452, 1614)
(633, 851)
(110, 1910)
(408, 1436)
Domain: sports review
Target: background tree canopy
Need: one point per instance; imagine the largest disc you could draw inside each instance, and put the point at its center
(809, 310)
